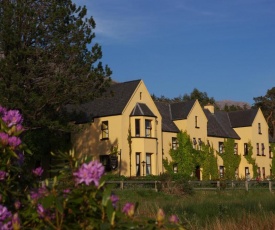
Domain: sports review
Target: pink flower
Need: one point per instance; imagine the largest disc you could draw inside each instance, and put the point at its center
(3, 175)
(89, 173)
(114, 198)
(4, 213)
(12, 117)
(15, 222)
(129, 209)
(40, 210)
(38, 171)
(174, 219)
(14, 141)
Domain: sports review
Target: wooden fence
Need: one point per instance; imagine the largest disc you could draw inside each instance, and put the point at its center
(197, 185)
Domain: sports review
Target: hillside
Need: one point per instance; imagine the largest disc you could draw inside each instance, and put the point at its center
(241, 104)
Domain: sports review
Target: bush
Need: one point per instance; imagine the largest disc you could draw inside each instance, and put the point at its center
(76, 198)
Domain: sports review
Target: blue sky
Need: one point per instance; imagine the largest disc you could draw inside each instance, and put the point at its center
(225, 48)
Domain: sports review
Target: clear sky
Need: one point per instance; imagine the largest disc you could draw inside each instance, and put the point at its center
(225, 48)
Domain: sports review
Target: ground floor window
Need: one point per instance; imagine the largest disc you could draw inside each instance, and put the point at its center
(137, 164)
(221, 169)
(148, 164)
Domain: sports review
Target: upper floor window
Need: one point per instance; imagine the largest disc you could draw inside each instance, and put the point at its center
(148, 128)
(105, 130)
(259, 128)
(174, 143)
(245, 148)
(270, 152)
(137, 127)
(196, 122)
(236, 148)
(258, 148)
(221, 147)
(263, 148)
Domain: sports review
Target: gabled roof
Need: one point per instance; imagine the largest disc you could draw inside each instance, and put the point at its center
(180, 110)
(218, 125)
(142, 109)
(112, 102)
(167, 124)
(243, 118)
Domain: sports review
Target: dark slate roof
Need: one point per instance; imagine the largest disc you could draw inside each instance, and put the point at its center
(142, 109)
(180, 110)
(111, 103)
(242, 118)
(218, 125)
(167, 124)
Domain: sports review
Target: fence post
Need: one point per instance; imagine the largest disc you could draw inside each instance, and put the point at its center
(156, 189)
(121, 184)
(218, 185)
(246, 185)
(270, 185)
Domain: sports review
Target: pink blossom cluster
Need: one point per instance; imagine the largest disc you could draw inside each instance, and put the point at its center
(7, 220)
(13, 120)
(89, 173)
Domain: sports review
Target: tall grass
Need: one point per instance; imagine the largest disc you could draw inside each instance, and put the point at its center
(208, 210)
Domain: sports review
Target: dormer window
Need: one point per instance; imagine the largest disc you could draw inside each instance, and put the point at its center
(259, 128)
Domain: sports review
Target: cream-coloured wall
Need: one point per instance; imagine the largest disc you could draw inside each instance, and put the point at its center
(214, 142)
(151, 145)
(88, 140)
(201, 130)
(250, 134)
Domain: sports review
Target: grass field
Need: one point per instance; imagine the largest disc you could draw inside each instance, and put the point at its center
(208, 209)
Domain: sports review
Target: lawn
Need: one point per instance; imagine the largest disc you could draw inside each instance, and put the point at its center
(208, 209)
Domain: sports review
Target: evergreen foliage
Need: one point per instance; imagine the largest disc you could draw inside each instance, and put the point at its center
(272, 166)
(231, 161)
(48, 60)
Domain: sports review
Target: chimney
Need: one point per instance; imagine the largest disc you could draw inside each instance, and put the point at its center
(210, 107)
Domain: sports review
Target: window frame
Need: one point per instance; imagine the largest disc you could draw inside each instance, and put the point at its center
(105, 130)
(148, 129)
(148, 165)
(138, 164)
(137, 127)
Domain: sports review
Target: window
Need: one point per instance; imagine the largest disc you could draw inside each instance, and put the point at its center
(270, 152)
(140, 95)
(221, 171)
(263, 148)
(236, 148)
(105, 161)
(259, 172)
(245, 149)
(175, 168)
(237, 173)
(148, 128)
(105, 130)
(148, 164)
(221, 147)
(196, 122)
(263, 170)
(200, 143)
(259, 128)
(247, 173)
(137, 164)
(174, 143)
(137, 127)
(194, 141)
(258, 149)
